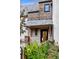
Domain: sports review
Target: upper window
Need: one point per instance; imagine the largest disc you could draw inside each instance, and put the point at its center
(46, 8)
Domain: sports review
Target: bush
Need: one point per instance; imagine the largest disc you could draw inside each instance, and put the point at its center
(34, 51)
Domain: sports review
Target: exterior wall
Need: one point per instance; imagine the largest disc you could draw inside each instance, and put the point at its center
(45, 15)
(56, 20)
(34, 37)
(41, 14)
(33, 16)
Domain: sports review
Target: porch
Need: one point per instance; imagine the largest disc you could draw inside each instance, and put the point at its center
(40, 33)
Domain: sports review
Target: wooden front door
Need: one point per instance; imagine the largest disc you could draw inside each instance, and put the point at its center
(44, 35)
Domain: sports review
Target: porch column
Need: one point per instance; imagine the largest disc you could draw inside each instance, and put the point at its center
(50, 36)
(29, 34)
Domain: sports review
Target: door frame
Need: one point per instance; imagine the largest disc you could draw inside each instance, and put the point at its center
(42, 35)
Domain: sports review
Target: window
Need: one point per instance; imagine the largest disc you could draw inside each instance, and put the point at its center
(36, 32)
(46, 8)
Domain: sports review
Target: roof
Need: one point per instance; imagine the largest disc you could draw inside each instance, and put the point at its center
(29, 8)
(32, 7)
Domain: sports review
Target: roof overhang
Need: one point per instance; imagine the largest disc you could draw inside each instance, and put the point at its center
(38, 22)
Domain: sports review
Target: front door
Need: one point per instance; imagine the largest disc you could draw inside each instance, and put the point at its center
(44, 35)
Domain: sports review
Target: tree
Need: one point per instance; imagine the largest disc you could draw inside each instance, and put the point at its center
(22, 22)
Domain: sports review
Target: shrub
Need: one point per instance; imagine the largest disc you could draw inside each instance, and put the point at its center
(34, 51)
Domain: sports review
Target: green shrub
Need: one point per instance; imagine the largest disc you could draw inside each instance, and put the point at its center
(35, 51)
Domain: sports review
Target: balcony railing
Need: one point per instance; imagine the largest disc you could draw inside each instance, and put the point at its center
(38, 22)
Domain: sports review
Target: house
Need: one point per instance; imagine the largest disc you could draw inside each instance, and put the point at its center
(40, 22)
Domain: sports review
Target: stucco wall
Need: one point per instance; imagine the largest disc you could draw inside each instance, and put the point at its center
(56, 20)
(34, 37)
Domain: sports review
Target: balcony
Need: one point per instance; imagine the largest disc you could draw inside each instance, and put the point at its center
(38, 22)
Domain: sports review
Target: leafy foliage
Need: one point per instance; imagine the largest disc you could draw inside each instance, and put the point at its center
(44, 51)
(22, 24)
(53, 52)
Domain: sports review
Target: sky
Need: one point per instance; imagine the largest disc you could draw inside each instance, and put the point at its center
(28, 1)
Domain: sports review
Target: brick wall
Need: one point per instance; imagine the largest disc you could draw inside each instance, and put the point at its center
(33, 16)
(41, 14)
(45, 15)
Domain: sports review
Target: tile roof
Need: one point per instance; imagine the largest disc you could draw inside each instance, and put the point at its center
(29, 8)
